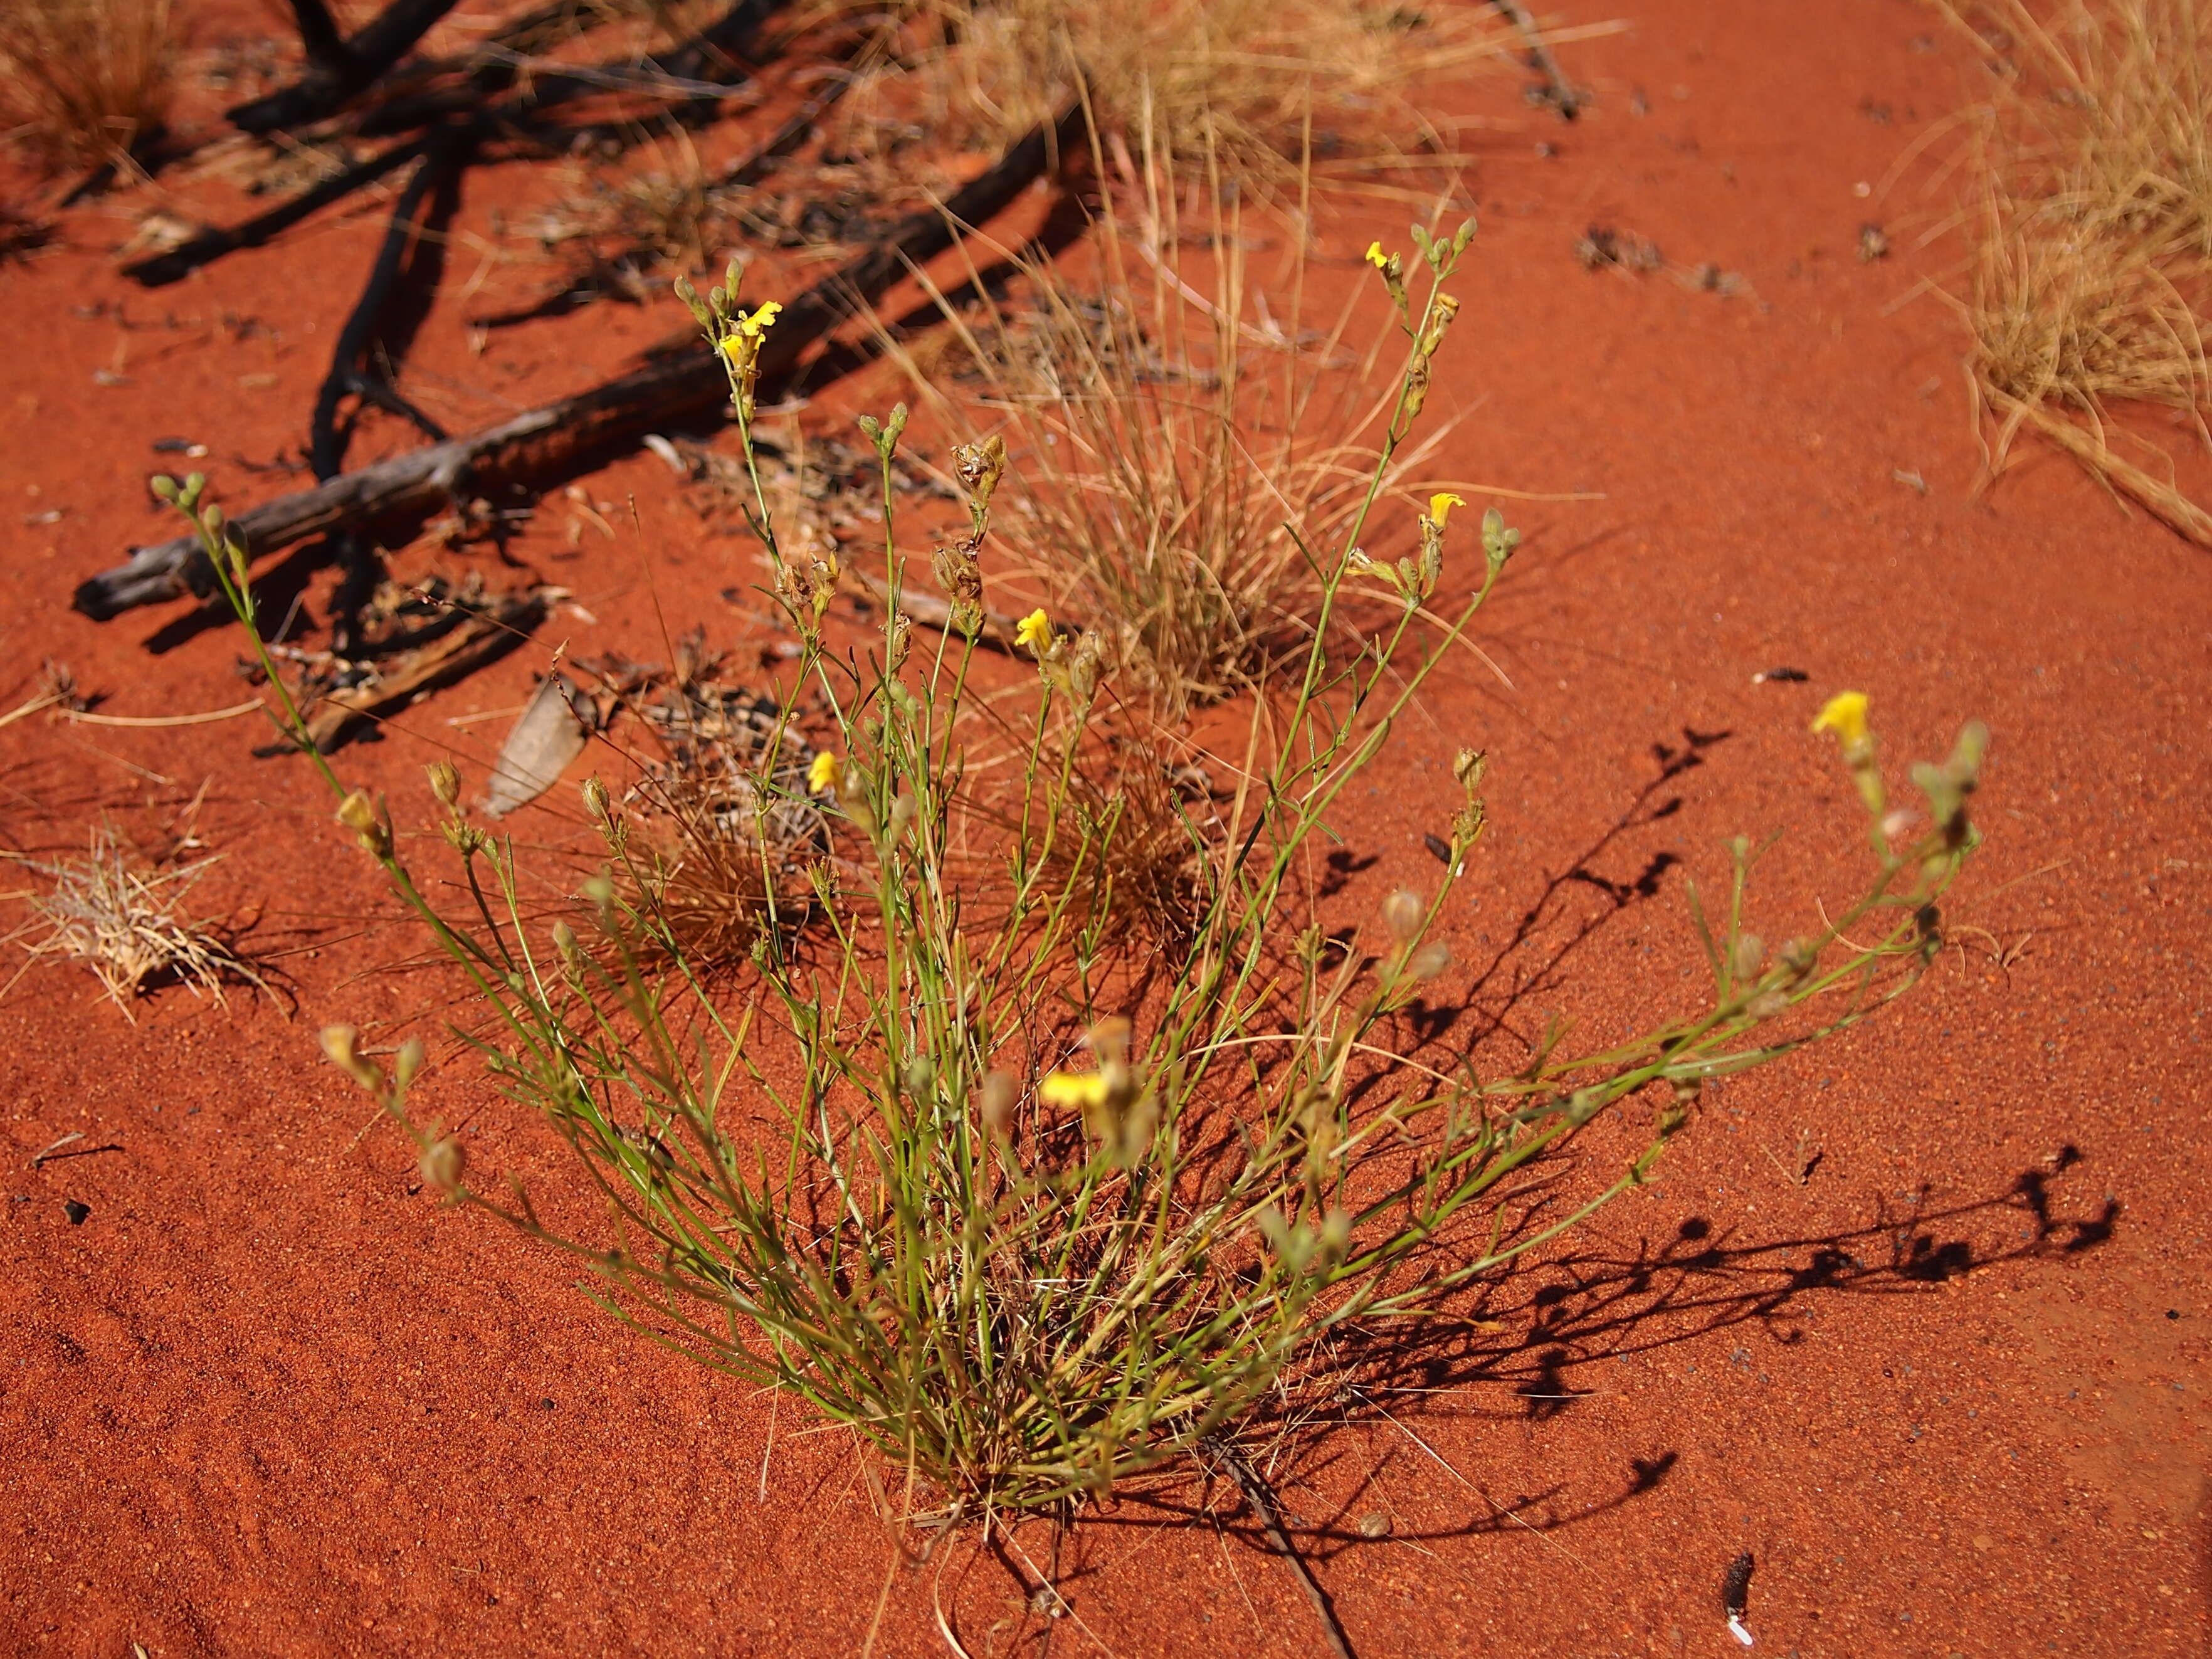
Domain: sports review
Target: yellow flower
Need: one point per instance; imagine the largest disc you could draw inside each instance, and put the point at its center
(1440, 506)
(1845, 714)
(1085, 1089)
(825, 773)
(764, 317)
(1034, 631)
(1376, 257)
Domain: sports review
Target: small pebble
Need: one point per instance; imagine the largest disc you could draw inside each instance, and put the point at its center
(1375, 1524)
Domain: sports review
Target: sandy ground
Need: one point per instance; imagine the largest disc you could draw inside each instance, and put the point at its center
(1950, 1389)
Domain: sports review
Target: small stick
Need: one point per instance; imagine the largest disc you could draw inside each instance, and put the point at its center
(84, 717)
(181, 261)
(1263, 1503)
(1561, 94)
(53, 1146)
(444, 155)
(319, 34)
(485, 637)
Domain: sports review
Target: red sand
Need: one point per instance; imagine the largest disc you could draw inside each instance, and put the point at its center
(265, 1401)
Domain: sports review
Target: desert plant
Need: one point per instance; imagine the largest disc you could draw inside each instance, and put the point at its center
(2091, 277)
(1176, 452)
(84, 82)
(1031, 1206)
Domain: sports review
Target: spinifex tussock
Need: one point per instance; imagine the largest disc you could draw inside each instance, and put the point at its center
(2092, 269)
(1033, 1202)
(83, 82)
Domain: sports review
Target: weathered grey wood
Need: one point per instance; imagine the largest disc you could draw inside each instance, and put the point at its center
(621, 410)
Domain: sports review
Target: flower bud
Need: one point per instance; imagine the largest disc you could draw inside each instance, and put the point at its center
(996, 1105)
(408, 1063)
(359, 814)
(445, 782)
(1430, 960)
(1403, 913)
(1109, 1041)
(444, 1161)
(1748, 955)
(342, 1043)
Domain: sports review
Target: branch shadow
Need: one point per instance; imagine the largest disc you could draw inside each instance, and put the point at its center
(1519, 1337)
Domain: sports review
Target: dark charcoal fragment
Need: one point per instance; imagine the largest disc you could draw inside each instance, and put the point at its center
(1736, 1588)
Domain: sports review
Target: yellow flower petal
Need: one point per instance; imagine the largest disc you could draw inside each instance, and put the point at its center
(1376, 257)
(825, 773)
(750, 326)
(1845, 714)
(1080, 1090)
(1034, 631)
(1440, 506)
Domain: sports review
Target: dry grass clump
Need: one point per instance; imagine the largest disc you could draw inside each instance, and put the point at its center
(1167, 486)
(2092, 275)
(84, 82)
(126, 921)
(731, 836)
(1245, 81)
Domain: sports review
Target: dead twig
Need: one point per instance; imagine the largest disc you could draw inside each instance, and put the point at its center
(1263, 1504)
(484, 636)
(338, 71)
(1559, 92)
(712, 50)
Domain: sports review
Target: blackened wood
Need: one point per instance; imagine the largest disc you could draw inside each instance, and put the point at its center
(713, 51)
(382, 42)
(319, 34)
(350, 371)
(162, 269)
(560, 434)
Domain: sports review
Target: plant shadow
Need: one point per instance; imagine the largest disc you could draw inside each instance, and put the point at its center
(1508, 1353)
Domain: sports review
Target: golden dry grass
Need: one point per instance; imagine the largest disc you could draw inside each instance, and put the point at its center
(126, 921)
(1167, 486)
(83, 82)
(2092, 273)
(1246, 82)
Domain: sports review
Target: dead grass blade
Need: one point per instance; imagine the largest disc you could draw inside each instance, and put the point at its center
(126, 921)
(83, 82)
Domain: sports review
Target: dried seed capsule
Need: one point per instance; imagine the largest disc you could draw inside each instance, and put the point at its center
(444, 1161)
(1403, 913)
